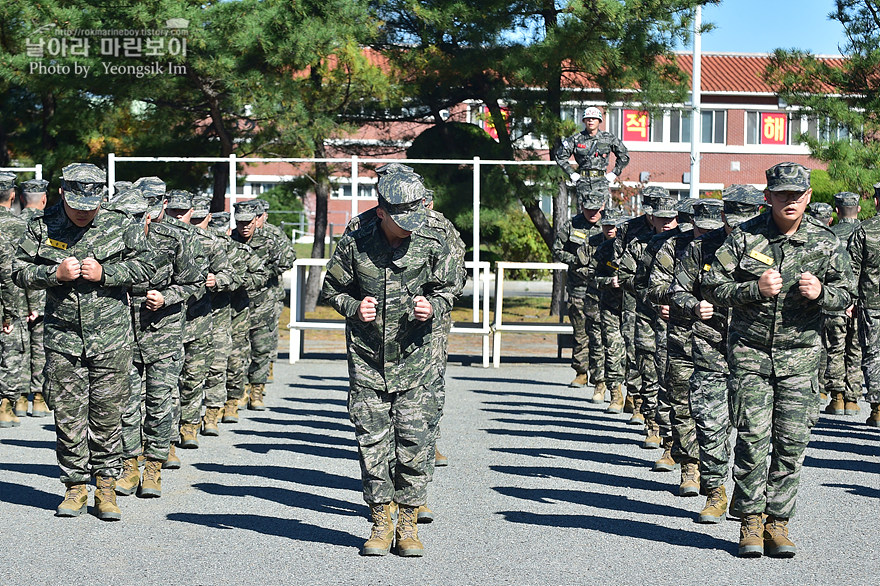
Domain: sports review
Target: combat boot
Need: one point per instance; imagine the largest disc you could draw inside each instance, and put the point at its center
(629, 404)
(579, 381)
(776, 541)
(653, 440)
(76, 499)
(407, 534)
(255, 403)
(7, 416)
(151, 485)
(637, 417)
(440, 459)
(599, 393)
(230, 411)
(716, 506)
(39, 408)
(245, 398)
(666, 463)
(751, 536)
(424, 514)
(130, 479)
(210, 421)
(382, 534)
(271, 377)
(837, 406)
(21, 406)
(851, 408)
(873, 419)
(105, 499)
(616, 404)
(189, 436)
(690, 479)
(173, 462)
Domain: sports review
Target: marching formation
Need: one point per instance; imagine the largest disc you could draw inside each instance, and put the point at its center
(151, 319)
(704, 316)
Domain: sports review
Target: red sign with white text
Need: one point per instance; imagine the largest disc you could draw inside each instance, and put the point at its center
(774, 128)
(489, 127)
(636, 126)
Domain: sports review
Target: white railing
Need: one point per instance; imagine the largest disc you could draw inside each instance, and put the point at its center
(499, 326)
(36, 170)
(298, 324)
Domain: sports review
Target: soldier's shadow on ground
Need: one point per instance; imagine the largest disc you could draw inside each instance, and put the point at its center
(612, 502)
(288, 528)
(311, 401)
(308, 414)
(511, 381)
(317, 478)
(562, 436)
(23, 443)
(542, 396)
(600, 479)
(285, 496)
(27, 496)
(843, 464)
(600, 457)
(869, 492)
(47, 470)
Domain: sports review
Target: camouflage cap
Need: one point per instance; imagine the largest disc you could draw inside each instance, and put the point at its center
(429, 197)
(130, 201)
(403, 196)
(34, 186)
(7, 181)
(741, 202)
(245, 211)
(219, 220)
(650, 195)
(180, 199)
(153, 188)
(83, 185)
(201, 205)
(262, 203)
(120, 185)
(610, 218)
(707, 214)
(846, 198)
(394, 168)
(664, 207)
(788, 177)
(821, 211)
(591, 197)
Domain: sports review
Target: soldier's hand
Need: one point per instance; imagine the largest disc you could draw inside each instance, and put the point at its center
(704, 310)
(211, 281)
(68, 270)
(610, 177)
(851, 310)
(423, 310)
(7, 328)
(810, 286)
(664, 312)
(91, 270)
(155, 300)
(770, 283)
(32, 317)
(615, 283)
(575, 177)
(367, 309)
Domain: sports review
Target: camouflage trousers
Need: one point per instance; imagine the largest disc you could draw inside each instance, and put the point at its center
(15, 362)
(614, 346)
(710, 408)
(580, 360)
(148, 419)
(263, 337)
(662, 414)
(215, 381)
(393, 432)
(240, 354)
(197, 357)
(37, 355)
(440, 353)
(88, 395)
(678, 387)
(279, 308)
(843, 369)
(773, 417)
(628, 326)
(650, 388)
(869, 331)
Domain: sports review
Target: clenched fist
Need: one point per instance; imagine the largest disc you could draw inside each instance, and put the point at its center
(68, 270)
(367, 309)
(770, 283)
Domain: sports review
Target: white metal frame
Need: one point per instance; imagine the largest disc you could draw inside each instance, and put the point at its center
(499, 326)
(36, 169)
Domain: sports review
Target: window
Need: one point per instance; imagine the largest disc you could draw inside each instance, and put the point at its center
(824, 129)
(633, 125)
(365, 191)
(768, 128)
(713, 126)
(679, 126)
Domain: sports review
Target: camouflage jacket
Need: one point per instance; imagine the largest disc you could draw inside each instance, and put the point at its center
(284, 257)
(587, 264)
(843, 229)
(160, 333)
(646, 313)
(262, 246)
(13, 227)
(393, 352)
(780, 335)
(591, 152)
(252, 271)
(610, 298)
(709, 336)
(660, 275)
(8, 303)
(864, 249)
(82, 317)
(36, 298)
(569, 238)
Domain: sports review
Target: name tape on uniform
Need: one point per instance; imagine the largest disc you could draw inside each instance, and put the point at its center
(761, 257)
(56, 244)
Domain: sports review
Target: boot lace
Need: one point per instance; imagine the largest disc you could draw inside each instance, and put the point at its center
(752, 526)
(407, 523)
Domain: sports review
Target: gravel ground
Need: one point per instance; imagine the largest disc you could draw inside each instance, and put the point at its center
(542, 488)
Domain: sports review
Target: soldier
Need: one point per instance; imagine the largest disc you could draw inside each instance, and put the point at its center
(843, 374)
(591, 148)
(583, 300)
(85, 257)
(821, 212)
(777, 272)
(33, 199)
(390, 279)
(595, 256)
(708, 396)
(863, 245)
(14, 346)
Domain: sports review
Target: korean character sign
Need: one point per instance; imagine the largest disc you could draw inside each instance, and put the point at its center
(774, 128)
(636, 126)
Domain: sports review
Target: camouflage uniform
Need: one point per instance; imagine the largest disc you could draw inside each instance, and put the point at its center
(87, 325)
(591, 155)
(36, 299)
(864, 244)
(774, 345)
(393, 401)
(15, 346)
(583, 297)
(263, 331)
